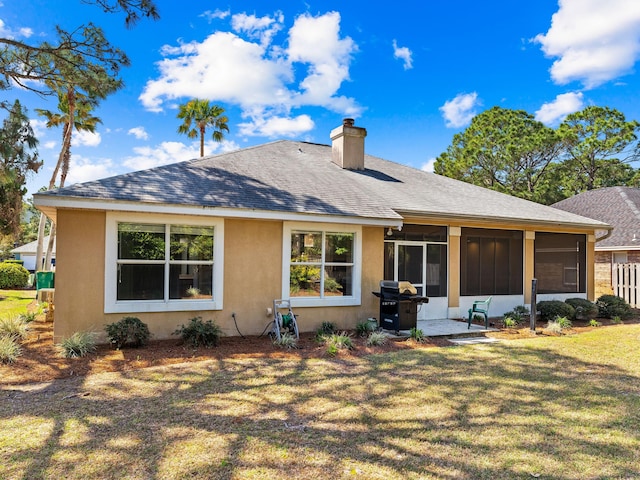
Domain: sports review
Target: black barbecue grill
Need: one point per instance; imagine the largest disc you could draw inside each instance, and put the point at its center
(398, 305)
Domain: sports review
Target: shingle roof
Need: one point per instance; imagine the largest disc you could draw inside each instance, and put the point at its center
(617, 206)
(299, 177)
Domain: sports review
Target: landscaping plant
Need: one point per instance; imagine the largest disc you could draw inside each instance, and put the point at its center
(510, 322)
(198, 333)
(610, 306)
(584, 309)
(79, 344)
(550, 309)
(364, 327)
(9, 349)
(416, 334)
(376, 339)
(517, 314)
(286, 340)
(129, 332)
(13, 275)
(14, 326)
(338, 341)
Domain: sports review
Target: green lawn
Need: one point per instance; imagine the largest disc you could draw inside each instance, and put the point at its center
(14, 302)
(550, 408)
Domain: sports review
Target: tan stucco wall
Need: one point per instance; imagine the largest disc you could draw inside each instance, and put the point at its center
(252, 280)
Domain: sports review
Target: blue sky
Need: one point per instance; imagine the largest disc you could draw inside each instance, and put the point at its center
(412, 76)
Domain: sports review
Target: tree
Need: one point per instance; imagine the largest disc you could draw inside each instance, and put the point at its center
(35, 67)
(505, 150)
(18, 157)
(594, 138)
(201, 114)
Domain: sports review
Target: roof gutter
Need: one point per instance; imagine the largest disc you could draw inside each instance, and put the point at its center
(606, 235)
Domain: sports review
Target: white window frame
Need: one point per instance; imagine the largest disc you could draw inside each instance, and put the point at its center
(330, 301)
(113, 305)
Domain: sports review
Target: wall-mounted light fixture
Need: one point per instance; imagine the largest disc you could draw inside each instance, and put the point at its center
(389, 232)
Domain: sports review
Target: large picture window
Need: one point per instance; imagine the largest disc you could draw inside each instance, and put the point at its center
(491, 262)
(323, 266)
(560, 262)
(161, 266)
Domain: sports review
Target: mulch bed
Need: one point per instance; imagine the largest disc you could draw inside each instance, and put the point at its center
(41, 360)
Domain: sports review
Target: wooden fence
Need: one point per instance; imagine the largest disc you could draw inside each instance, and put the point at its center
(626, 282)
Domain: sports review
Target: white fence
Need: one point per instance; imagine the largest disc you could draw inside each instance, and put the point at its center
(626, 282)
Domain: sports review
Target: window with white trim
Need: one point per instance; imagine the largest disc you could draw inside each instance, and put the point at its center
(153, 266)
(322, 265)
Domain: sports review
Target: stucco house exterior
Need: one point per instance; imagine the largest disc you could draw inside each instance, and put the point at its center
(319, 224)
(620, 208)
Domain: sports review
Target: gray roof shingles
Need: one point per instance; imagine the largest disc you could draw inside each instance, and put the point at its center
(299, 177)
(617, 206)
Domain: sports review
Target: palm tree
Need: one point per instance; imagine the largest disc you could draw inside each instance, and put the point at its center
(74, 112)
(202, 114)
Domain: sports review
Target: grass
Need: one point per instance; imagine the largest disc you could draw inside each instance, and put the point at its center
(15, 302)
(546, 407)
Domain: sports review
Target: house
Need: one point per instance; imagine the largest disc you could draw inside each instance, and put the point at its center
(27, 253)
(222, 236)
(620, 208)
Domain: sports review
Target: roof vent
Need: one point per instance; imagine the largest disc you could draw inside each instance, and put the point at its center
(347, 145)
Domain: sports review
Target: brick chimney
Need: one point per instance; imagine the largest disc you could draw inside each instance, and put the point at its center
(347, 145)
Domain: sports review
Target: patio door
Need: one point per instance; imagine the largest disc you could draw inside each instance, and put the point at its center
(423, 264)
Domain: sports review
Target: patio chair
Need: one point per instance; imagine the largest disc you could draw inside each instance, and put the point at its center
(480, 307)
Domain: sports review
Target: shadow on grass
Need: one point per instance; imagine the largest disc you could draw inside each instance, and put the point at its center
(500, 411)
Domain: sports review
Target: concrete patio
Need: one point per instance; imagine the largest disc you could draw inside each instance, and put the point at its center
(445, 327)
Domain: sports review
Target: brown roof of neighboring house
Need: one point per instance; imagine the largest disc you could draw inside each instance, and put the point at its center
(617, 206)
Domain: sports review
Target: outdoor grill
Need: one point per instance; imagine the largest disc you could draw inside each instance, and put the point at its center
(398, 305)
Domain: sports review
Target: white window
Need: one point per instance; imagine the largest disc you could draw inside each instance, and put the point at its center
(322, 264)
(162, 263)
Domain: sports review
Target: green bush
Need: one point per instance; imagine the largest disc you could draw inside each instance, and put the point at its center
(610, 306)
(550, 309)
(416, 334)
(28, 317)
(129, 332)
(338, 341)
(198, 333)
(364, 328)
(13, 275)
(17, 262)
(376, 338)
(517, 314)
(79, 344)
(584, 309)
(9, 349)
(14, 327)
(510, 322)
(564, 322)
(594, 323)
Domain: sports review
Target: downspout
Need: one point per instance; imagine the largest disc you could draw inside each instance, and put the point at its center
(606, 235)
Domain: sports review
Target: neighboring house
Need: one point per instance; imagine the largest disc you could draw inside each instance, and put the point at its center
(620, 208)
(27, 253)
(222, 236)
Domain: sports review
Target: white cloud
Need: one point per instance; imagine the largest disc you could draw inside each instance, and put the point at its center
(594, 41)
(459, 111)
(172, 152)
(50, 145)
(404, 54)
(554, 112)
(85, 138)
(216, 14)
(266, 80)
(39, 126)
(139, 132)
(83, 169)
(277, 126)
(428, 165)
(7, 32)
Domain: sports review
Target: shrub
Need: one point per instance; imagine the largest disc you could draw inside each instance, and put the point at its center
(364, 328)
(616, 320)
(564, 322)
(13, 275)
(130, 332)
(324, 330)
(9, 349)
(517, 314)
(510, 322)
(286, 340)
(584, 309)
(610, 306)
(338, 341)
(198, 333)
(416, 334)
(28, 317)
(79, 344)
(550, 309)
(594, 323)
(554, 327)
(14, 327)
(376, 338)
